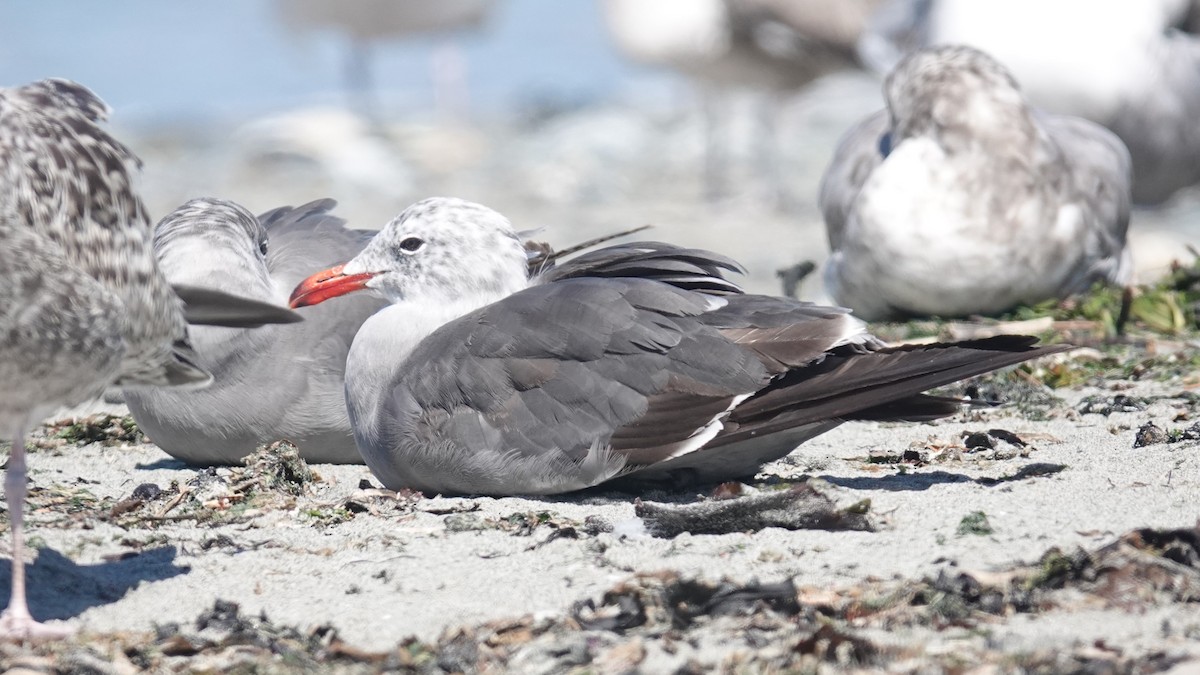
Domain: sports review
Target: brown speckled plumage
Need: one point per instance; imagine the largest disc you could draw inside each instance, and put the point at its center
(68, 180)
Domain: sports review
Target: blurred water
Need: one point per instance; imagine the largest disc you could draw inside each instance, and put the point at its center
(221, 99)
(158, 61)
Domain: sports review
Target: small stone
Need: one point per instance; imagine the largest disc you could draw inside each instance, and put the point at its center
(979, 440)
(146, 492)
(1149, 434)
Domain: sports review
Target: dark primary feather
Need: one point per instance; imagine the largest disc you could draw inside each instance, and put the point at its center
(211, 307)
(692, 269)
(849, 382)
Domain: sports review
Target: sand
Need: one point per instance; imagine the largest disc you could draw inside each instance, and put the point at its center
(418, 566)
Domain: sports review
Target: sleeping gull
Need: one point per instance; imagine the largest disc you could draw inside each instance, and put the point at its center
(1130, 65)
(271, 383)
(86, 305)
(635, 359)
(959, 199)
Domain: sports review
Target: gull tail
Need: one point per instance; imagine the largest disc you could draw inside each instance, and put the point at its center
(885, 384)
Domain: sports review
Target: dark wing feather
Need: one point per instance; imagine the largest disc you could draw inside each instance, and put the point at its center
(847, 383)
(685, 268)
(786, 333)
(558, 367)
(204, 306)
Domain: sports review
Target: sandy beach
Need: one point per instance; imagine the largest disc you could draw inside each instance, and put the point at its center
(139, 553)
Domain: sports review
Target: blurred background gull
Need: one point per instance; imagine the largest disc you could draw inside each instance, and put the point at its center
(534, 107)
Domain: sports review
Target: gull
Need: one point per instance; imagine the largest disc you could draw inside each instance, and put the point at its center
(1130, 65)
(960, 200)
(85, 305)
(366, 23)
(270, 383)
(640, 360)
(775, 46)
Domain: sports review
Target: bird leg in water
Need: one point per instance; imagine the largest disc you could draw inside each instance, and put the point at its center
(16, 624)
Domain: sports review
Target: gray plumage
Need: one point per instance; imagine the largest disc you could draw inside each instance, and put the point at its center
(271, 383)
(959, 199)
(1132, 66)
(638, 361)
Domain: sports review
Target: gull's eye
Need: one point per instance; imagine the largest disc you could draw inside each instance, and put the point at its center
(411, 244)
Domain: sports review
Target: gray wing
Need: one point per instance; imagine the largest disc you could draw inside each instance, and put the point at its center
(1101, 177)
(308, 237)
(857, 155)
(561, 369)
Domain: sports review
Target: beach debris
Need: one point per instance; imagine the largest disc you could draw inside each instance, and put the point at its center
(1150, 434)
(975, 522)
(274, 467)
(800, 507)
(665, 599)
(791, 277)
(1107, 405)
(379, 501)
(102, 428)
(661, 618)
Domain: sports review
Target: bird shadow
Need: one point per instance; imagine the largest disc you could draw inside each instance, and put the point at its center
(899, 482)
(58, 588)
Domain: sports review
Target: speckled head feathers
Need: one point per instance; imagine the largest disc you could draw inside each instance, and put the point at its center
(953, 92)
(444, 249)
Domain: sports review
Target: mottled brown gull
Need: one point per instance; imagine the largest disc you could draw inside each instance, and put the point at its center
(85, 305)
(1130, 65)
(640, 360)
(959, 199)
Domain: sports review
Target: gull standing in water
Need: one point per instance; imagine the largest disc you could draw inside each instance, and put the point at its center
(640, 359)
(1130, 65)
(959, 199)
(85, 305)
(270, 383)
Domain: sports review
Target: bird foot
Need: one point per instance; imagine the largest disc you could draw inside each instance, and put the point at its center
(19, 627)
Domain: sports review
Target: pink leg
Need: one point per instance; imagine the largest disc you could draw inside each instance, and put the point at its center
(15, 623)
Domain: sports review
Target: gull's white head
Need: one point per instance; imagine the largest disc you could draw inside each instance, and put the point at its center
(439, 250)
(215, 243)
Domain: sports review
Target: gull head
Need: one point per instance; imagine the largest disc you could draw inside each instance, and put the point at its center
(957, 95)
(214, 242)
(439, 250)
